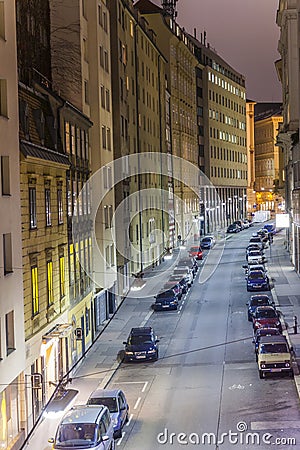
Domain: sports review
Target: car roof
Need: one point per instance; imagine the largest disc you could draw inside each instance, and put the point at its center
(263, 308)
(83, 413)
(141, 330)
(272, 339)
(105, 393)
(258, 296)
(267, 330)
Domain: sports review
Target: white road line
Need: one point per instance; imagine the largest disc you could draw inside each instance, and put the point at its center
(129, 420)
(145, 386)
(137, 403)
(121, 438)
(131, 382)
(146, 319)
(109, 375)
(183, 302)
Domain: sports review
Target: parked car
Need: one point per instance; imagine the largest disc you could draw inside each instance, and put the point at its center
(252, 267)
(182, 281)
(270, 227)
(189, 262)
(141, 345)
(267, 331)
(166, 300)
(254, 247)
(256, 301)
(255, 255)
(196, 252)
(257, 280)
(246, 223)
(186, 273)
(233, 228)
(85, 427)
(207, 242)
(115, 401)
(274, 355)
(266, 316)
(258, 240)
(240, 223)
(176, 286)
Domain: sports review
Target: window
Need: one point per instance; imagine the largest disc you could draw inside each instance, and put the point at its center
(32, 207)
(107, 99)
(10, 332)
(100, 15)
(106, 217)
(2, 21)
(85, 49)
(103, 137)
(108, 137)
(7, 253)
(67, 137)
(5, 175)
(102, 95)
(106, 66)
(35, 290)
(101, 56)
(60, 207)
(3, 97)
(86, 91)
(48, 207)
(50, 295)
(62, 278)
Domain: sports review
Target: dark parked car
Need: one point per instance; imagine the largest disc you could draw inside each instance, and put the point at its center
(257, 280)
(189, 262)
(176, 286)
(240, 223)
(181, 281)
(255, 301)
(233, 228)
(266, 316)
(267, 331)
(196, 252)
(207, 242)
(166, 300)
(115, 401)
(141, 345)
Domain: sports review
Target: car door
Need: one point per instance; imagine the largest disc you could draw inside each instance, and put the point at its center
(122, 408)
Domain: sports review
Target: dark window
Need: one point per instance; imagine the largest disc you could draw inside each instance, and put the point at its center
(32, 208)
(60, 207)
(48, 207)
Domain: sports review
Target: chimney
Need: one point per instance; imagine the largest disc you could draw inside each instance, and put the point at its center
(195, 33)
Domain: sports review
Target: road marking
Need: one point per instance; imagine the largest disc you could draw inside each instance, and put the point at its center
(146, 319)
(110, 374)
(129, 420)
(145, 386)
(273, 425)
(121, 438)
(137, 403)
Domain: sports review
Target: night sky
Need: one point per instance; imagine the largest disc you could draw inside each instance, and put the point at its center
(244, 33)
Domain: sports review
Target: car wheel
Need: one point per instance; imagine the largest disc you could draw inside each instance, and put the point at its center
(118, 434)
(261, 374)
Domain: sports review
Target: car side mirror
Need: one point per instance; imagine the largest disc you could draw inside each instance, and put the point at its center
(292, 349)
(124, 342)
(245, 266)
(156, 341)
(51, 440)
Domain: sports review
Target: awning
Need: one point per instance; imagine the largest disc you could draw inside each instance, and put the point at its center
(58, 332)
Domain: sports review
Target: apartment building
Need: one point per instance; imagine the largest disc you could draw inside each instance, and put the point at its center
(287, 67)
(221, 117)
(269, 183)
(80, 34)
(178, 50)
(12, 344)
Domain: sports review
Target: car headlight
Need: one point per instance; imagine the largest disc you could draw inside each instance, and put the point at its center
(115, 421)
(151, 351)
(287, 364)
(263, 365)
(128, 353)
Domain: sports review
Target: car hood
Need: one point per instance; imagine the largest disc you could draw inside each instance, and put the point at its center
(267, 320)
(139, 348)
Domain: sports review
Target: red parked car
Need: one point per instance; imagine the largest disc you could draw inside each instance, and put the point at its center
(196, 252)
(266, 316)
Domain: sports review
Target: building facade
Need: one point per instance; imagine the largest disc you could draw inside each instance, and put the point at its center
(251, 197)
(12, 342)
(287, 67)
(268, 158)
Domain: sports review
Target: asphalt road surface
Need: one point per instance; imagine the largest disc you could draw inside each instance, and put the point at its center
(204, 391)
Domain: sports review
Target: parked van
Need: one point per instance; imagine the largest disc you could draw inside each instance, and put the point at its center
(274, 356)
(85, 427)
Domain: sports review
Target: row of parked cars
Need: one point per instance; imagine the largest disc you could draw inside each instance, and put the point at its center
(271, 347)
(239, 225)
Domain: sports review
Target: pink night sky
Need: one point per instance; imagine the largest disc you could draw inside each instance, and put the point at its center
(244, 33)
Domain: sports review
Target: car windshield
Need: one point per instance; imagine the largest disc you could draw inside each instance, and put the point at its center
(256, 275)
(206, 240)
(274, 348)
(110, 402)
(165, 294)
(259, 301)
(268, 313)
(76, 434)
(195, 249)
(138, 340)
(254, 253)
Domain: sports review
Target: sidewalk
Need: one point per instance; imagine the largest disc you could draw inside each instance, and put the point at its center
(286, 294)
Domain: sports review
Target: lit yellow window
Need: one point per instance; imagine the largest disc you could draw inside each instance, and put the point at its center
(62, 276)
(35, 290)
